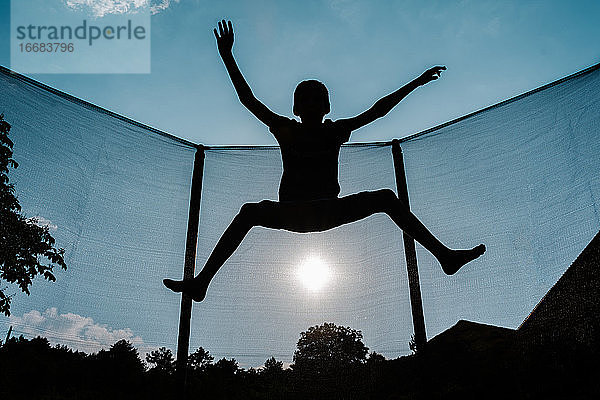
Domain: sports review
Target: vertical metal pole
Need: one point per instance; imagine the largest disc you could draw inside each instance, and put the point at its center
(185, 316)
(410, 252)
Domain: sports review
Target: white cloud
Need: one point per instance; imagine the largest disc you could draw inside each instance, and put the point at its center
(43, 222)
(163, 5)
(73, 330)
(100, 8)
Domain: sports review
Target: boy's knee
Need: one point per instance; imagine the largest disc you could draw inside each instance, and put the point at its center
(247, 213)
(386, 198)
(246, 209)
(387, 195)
(250, 213)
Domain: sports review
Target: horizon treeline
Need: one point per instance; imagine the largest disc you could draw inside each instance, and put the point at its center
(328, 359)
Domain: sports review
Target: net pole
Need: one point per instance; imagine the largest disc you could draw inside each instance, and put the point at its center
(410, 253)
(185, 315)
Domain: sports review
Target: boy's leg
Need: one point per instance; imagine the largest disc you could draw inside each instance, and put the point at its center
(299, 216)
(320, 215)
(336, 212)
(248, 217)
(385, 200)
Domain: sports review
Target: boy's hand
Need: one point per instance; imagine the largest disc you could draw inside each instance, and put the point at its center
(224, 37)
(430, 75)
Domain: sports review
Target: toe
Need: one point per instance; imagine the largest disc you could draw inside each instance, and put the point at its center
(173, 285)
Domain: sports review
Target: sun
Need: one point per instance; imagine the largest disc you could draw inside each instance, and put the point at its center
(314, 273)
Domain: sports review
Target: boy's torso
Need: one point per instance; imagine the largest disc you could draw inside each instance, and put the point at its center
(310, 159)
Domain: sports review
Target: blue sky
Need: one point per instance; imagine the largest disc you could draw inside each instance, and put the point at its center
(361, 50)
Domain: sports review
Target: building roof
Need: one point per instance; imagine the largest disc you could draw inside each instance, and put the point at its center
(571, 308)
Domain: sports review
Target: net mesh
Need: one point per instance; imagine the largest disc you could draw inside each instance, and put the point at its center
(520, 177)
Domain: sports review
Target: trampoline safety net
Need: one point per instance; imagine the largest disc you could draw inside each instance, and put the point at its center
(521, 176)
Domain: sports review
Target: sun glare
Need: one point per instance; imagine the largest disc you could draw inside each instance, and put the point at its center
(314, 273)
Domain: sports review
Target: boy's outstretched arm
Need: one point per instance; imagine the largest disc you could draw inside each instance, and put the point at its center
(225, 44)
(385, 104)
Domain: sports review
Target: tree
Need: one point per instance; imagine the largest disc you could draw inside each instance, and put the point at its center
(162, 359)
(226, 367)
(122, 358)
(199, 360)
(126, 353)
(272, 367)
(328, 348)
(26, 247)
(375, 358)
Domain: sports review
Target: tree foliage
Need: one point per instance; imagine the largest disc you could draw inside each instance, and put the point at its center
(327, 348)
(161, 360)
(122, 356)
(375, 358)
(226, 367)
(26, 247)
(199, 360)
(272, 367)
(509, 366)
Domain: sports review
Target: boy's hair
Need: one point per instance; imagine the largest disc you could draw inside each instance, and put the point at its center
(308, 86)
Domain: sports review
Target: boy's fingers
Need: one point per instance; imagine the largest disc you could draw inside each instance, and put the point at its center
(230, 26)
(215, 32)
(220, 28)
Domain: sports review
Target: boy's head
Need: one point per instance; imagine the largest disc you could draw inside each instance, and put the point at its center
(311, 100)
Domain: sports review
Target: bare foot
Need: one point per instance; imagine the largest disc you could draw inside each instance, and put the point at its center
(458, 258)
(196, 288)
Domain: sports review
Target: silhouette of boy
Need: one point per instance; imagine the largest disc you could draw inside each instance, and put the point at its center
(309, 188)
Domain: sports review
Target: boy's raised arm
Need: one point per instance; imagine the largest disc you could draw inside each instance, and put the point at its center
(225, 44)
(385, 104)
